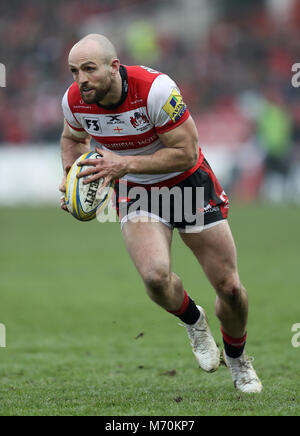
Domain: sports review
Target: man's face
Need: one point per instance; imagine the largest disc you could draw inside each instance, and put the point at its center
(92, 76)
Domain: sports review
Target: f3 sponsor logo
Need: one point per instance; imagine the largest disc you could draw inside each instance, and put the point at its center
(92, 125)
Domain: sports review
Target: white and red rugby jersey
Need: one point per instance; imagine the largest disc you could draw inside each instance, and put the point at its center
(151, 104)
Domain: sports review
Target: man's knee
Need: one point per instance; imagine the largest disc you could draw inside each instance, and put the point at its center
(157, 279)
(229, 289)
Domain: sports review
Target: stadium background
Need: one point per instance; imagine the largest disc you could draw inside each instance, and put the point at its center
(233, 61)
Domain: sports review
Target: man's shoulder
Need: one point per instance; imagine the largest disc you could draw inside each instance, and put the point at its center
(142, 74)
(72, 96)
(146, 81)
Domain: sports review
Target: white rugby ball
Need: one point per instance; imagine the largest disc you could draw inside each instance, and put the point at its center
(84, 201)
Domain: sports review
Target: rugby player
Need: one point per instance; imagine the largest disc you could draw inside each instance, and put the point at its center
(147, 138)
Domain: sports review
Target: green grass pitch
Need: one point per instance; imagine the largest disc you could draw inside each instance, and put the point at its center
(84, 339)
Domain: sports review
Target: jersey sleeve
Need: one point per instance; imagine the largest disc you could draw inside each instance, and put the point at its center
(73, 124)
(165, 105)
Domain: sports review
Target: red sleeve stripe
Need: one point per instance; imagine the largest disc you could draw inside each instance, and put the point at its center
(75, 128)
(173, 180)
(171, 125)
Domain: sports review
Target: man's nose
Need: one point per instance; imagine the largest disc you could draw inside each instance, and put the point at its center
(82, 78)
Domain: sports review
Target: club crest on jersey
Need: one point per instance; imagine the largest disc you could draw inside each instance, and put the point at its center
(139, 121)
(175, 107)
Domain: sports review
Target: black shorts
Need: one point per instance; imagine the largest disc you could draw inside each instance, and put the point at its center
(184, 206)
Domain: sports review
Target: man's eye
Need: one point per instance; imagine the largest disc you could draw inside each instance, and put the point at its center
(73, 71)
(90, 69)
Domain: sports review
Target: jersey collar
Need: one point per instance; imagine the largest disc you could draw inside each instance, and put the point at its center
(124, 77)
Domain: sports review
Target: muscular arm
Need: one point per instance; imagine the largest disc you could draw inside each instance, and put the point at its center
(181, 152)
(72, 147)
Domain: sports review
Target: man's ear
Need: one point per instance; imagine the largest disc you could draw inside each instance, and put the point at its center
(115, 67)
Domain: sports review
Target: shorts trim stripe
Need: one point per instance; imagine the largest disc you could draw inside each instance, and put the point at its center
(194, 229)
(152, 218)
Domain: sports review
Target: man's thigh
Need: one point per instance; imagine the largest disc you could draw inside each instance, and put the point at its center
(149, 245)
(216, 252)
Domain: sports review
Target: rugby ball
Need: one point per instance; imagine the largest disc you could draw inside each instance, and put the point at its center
(84, 201)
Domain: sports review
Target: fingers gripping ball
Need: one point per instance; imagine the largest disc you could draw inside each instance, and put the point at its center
(84, 201)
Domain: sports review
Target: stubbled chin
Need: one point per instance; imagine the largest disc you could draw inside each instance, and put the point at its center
(88, 99)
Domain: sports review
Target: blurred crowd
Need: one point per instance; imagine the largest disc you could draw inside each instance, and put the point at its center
(236, 79)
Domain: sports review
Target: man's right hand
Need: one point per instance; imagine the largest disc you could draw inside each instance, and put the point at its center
(71, 148)
(62, 188)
